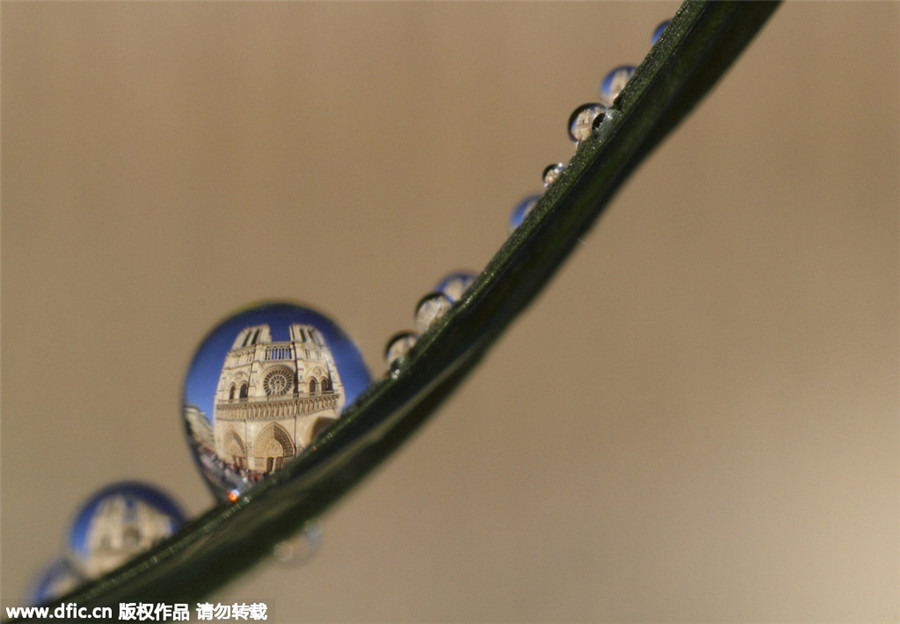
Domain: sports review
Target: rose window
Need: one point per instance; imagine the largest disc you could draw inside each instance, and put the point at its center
(278, 382)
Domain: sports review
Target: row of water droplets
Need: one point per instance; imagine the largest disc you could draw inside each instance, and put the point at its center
(88, 555)
(583, 122)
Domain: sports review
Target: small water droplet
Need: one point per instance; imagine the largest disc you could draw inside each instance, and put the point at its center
(398, 346)
(263, 384)
(119, 522)
(614, 82)
(552, 174)
(583, 119)
(300, 549)
(658, 31)
(455, 284)
(521, 211)
(430, 308)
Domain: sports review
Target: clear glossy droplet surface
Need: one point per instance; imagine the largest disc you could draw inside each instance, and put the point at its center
(614, 82)
(552, 174)
(583, 119)
(58, 578)
(398, 346)
(262, 385)
(454, 285)
(521, 210)
(430, 308)
(658, 31)
(118, 522)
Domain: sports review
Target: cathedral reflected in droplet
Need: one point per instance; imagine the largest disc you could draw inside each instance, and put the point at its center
(118, 522)
(614, 82)
(583, 120)
(263, 385)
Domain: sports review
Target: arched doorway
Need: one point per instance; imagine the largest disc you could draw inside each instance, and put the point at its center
(273, 446)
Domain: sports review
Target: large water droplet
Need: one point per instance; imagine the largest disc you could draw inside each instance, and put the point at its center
(119, 522)
(263, 384)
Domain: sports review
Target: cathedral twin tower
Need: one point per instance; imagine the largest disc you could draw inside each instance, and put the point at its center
(274, 398)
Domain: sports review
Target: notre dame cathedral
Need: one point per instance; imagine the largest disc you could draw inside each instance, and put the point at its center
(274, 398)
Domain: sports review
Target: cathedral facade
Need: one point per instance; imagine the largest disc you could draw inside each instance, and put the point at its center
(274, 398)
(121, 527)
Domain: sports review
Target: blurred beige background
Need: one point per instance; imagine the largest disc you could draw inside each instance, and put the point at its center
(698, 420)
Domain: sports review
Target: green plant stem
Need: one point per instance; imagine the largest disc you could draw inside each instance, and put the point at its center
(701, 42)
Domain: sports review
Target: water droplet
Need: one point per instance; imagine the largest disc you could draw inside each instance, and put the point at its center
(583, 119)
(300, 549)
(119, 522)
(521, 211)
(658, 32)
(552, 173)
(398, 346)
(263, 384)
(455, 284)
(429, 309)
(613, 84)
(58, 578)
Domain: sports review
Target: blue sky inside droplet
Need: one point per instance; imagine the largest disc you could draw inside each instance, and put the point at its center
(203, 374)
